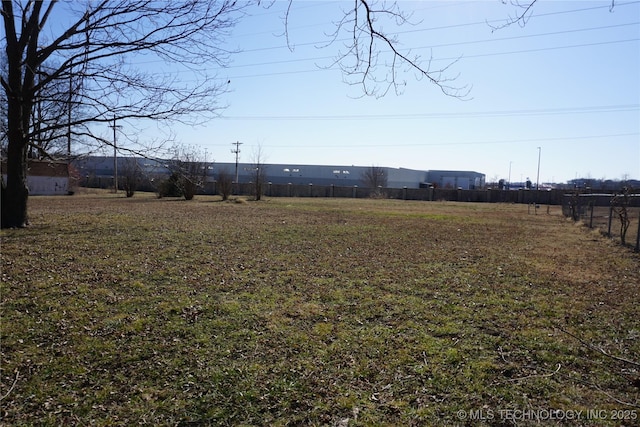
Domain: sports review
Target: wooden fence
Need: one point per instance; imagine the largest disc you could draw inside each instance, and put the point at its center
(551, 197)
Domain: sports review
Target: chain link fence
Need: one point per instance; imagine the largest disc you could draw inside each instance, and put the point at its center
(615, 215)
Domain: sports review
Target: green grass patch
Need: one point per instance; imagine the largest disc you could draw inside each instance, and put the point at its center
(309, 312)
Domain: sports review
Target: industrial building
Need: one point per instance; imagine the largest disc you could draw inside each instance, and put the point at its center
(100, 169)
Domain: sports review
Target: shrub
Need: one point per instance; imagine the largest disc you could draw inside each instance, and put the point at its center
(170, 187)
(225, 184)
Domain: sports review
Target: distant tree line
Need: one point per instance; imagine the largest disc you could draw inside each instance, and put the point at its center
(601, 184)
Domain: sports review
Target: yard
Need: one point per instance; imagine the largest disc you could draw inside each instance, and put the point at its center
(292, 311)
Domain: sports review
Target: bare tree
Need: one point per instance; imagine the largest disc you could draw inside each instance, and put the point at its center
(375, 177)
(132, 174)
(189, 167)
(100, 45)
(225, 183)
(53, 114)
(258, 173)
(54, 111)
(619, 204)
(574, 205)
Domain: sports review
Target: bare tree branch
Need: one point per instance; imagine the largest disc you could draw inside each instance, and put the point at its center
(106, 47)
(102, 45)
(372, 57)
(286, 25)
(523, 13)
(599, 350)
(521, 17)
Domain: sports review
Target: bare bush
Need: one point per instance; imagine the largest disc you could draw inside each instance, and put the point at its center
(225, 183)
(189, 168)
(132, 174)
(619, 204)
(258, 173)
(375, 178)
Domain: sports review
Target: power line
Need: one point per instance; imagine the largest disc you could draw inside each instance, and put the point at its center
(553, 33)
(481, 55)
(457, 143)
(261, 64)
(545, 49)
(315, 43)
(457, 115)
(456, 58)
(443, 27)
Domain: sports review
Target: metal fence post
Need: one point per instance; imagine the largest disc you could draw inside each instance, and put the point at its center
(591, 215)
(638, 236)
(610, 218)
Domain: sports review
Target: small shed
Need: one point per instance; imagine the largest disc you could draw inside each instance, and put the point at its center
(45, 178)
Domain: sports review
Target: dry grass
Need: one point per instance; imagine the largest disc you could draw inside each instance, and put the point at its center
(311, 312)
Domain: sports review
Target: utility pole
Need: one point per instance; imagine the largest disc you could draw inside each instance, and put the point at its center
(509, 179)
(538, 177)
(115, 156)
(538, 181)
(237, 153)
(206, 170)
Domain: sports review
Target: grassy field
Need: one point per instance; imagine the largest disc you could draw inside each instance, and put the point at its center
(338, 312)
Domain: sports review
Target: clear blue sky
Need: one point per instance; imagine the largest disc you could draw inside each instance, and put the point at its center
(567, 82)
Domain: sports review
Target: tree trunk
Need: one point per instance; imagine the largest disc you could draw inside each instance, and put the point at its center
(22, 61)
(16, 192)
